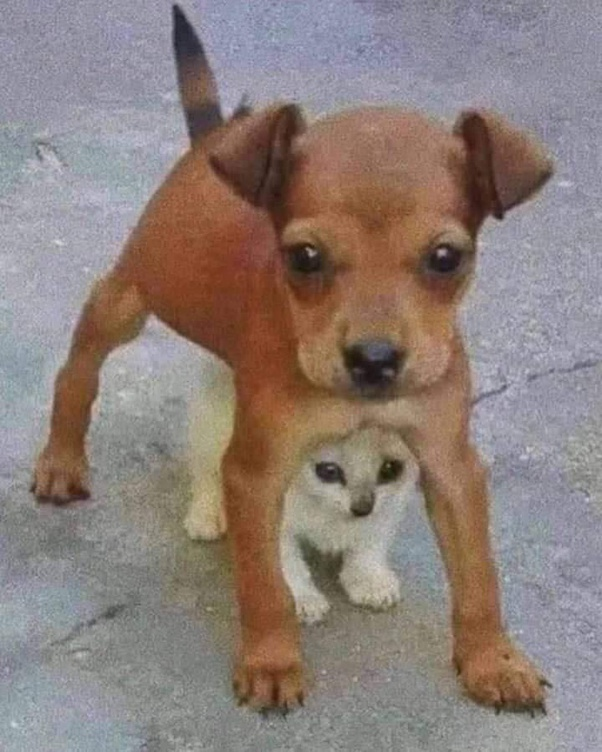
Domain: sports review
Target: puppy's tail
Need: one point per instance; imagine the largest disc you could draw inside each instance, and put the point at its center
(198, 88)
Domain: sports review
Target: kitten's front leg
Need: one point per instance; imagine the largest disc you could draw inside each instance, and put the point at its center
(366, 576)
(311, 606)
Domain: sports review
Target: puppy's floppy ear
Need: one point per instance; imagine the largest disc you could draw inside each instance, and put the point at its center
(508, 164)
(253, 156)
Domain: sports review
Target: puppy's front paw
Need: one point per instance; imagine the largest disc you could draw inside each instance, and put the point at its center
(311, 606)
(60, 477)
(500, 675)
(270, 676)
(375, 587)
(206, 519)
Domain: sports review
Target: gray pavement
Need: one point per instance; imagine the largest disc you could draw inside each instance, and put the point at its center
(115, 630)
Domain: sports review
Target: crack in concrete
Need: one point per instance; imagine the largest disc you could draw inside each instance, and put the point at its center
(580, 365)
(482, 396)
(109, 613)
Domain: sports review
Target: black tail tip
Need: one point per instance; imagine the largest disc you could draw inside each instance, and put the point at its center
(178, 15)
(186, 42)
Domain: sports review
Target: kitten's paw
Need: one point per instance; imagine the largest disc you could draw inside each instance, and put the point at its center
(311, 606)
(206, 519)
(376, 588)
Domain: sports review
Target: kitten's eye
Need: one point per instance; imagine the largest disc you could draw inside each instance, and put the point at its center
(305, 259)
(330, 472)
(389, 471)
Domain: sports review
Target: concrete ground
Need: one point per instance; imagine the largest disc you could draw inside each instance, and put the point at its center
(115, 630)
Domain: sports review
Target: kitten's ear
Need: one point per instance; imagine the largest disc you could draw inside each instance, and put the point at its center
(253, 156)
(508, 165)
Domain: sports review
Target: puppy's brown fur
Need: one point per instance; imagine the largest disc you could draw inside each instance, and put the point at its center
(375, 191)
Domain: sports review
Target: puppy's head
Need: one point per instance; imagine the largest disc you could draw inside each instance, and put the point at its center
(378, 212)
(359, 475)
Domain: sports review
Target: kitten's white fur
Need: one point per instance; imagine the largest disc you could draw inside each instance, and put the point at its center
(315, 511)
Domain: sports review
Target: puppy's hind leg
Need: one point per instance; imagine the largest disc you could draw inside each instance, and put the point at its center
(113, 315)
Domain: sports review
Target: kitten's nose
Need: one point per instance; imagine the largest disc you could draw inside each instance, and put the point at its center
(363, 505)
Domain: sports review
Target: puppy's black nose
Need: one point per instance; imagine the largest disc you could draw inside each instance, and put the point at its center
(373, 363)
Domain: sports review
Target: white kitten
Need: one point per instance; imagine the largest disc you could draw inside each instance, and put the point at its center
(348, 498)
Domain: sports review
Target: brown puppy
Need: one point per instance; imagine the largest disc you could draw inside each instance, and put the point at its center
(325, 264)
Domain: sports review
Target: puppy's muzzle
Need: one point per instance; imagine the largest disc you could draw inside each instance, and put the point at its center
(373, 364)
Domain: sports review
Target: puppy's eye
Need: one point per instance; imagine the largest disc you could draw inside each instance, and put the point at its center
(305, 259)
(444, 260)
(330, 472)
(389, 471)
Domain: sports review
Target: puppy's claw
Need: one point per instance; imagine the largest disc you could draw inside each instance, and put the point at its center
(78, 494)
(241, 697)
(60, 501)
(265, 691)
(541, 707)
(282, 710)
(531, 709)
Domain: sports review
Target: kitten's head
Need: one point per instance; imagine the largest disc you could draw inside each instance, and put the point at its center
(361, 474)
